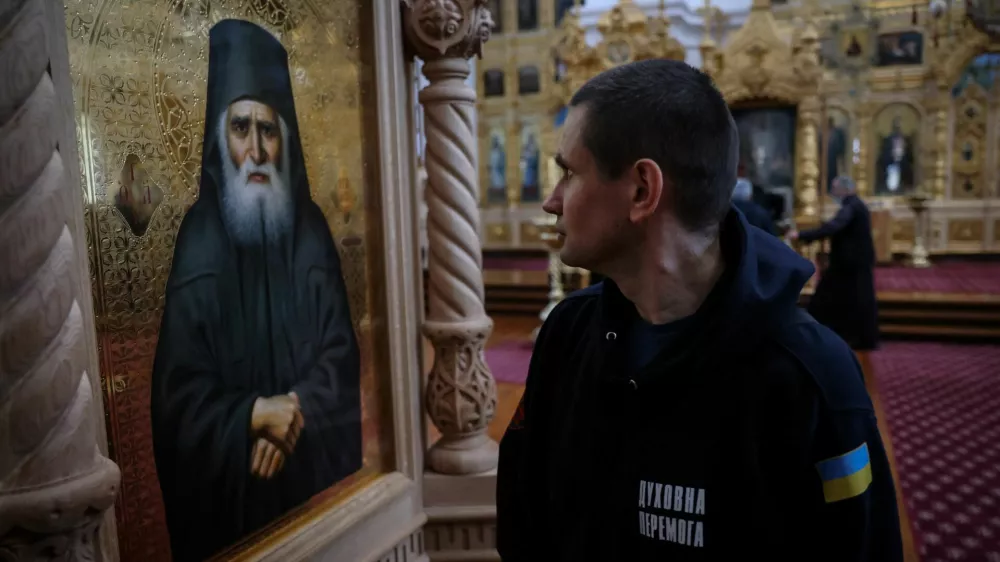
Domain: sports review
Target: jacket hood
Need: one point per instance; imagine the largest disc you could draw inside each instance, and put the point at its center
(768, 274)
(757, 293)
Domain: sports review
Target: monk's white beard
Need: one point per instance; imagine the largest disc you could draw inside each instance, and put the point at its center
(256, 213)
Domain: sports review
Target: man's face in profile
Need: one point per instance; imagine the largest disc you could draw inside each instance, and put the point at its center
(254, 139)
(593, 212)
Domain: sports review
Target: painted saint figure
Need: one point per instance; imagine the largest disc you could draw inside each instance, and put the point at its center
(529, 170)
(895, 162)
(255, 397)
(498, 171)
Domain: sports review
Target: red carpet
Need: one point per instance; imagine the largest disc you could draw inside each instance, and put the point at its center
(942, 407)
(954, 278)
(509, 361)
(963, 278)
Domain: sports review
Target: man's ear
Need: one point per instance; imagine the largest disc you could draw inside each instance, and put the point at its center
(648, 179)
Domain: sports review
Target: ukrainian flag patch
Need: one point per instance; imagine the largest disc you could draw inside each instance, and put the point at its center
(847, 475)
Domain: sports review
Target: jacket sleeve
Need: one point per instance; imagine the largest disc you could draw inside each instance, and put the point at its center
(521, 517)
(831, 227)
(853, 496)
(838, 491)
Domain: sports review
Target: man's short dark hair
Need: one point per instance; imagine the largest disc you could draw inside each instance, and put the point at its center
(671, 113)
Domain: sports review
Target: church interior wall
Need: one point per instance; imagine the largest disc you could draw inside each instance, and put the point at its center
(961, 220)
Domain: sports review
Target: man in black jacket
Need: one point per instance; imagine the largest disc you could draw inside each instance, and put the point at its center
(684, 408)
(845, 299)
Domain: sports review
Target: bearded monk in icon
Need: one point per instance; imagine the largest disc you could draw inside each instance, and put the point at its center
(256, 384)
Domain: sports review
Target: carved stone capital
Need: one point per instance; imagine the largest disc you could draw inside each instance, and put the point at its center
(446, 28)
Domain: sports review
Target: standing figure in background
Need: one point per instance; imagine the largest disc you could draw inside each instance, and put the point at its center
(895, 162)
(256, 398)
(845, 300)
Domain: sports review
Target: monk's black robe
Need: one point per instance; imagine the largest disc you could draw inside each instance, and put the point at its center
(248, 321)
(845, 300)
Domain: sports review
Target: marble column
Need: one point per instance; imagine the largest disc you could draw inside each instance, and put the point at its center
(55, 485)
(461, 394)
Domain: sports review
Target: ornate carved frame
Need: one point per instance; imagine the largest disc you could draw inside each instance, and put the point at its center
(389, 509)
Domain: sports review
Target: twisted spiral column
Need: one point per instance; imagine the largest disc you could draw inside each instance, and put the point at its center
(55, 486)
(461, 394)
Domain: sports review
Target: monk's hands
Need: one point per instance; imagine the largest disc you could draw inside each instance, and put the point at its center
(279, 420)
(266, 459)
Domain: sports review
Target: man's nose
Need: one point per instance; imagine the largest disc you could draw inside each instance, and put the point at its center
(553, 203)
(256, 151)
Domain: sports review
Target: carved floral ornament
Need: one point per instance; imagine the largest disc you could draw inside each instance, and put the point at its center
(758, 63)
(447, 28)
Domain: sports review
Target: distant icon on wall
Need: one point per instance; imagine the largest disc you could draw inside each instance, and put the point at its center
(905, 48)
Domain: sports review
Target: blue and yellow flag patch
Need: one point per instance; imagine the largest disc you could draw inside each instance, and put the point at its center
(847, 475)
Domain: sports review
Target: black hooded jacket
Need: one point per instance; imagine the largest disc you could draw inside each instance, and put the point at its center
(750, 437)
(243, 322)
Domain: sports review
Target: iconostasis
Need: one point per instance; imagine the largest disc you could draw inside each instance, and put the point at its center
(910, 104)
(235, 220)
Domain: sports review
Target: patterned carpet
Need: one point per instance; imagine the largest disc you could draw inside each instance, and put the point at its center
(953, 278)
(964, 278)
(942, 407)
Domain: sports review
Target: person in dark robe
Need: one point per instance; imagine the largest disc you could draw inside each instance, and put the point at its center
(895, 162)
(845, 299)
(255, 397)
(754, 213)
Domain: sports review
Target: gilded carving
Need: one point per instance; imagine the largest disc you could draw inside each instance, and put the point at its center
(580, 59)
(530, 235)
(758, 64)
(965, 230)
(969, 143)
(627, 34)
(903, 230)
(498, 233)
